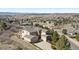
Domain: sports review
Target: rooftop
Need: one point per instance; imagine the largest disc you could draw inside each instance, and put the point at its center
(29, 36)
(31, 28)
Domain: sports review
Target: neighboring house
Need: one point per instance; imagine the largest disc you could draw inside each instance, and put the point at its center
(71, 34)
(72, 31)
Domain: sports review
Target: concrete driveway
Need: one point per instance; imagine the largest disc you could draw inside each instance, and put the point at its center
(44, 45)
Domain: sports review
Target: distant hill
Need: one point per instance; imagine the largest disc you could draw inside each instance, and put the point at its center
(8, 13)
(17, 13)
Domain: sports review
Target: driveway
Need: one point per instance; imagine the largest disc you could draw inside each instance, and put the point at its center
(44, 45)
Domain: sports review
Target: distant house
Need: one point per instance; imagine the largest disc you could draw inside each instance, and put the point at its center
(72, 32)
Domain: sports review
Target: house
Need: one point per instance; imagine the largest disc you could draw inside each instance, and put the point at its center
(34, 34)
(71, 34)
(72, 31)
(31, 34)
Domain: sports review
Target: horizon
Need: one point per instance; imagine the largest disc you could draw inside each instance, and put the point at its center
(40, 10)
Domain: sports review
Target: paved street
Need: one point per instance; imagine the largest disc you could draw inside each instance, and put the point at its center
(74, 43)
(73, 46)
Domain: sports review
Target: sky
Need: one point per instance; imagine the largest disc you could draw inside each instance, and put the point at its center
(41, 10)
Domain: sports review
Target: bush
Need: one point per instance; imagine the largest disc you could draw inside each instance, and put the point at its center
(64, 31)
(77, 37)
(36, 24)
(50, 32)
(55, 37)
(3, 25)
(63, 43)
(53, 46)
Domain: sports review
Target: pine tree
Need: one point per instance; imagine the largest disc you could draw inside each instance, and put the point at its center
(2, 25)
(64, 31)
(55, 37)
(63, 43)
